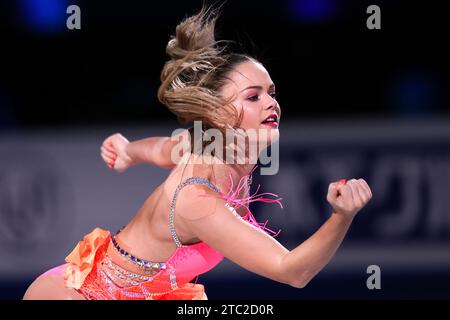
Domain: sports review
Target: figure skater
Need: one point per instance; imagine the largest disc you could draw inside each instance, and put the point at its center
(200, 213)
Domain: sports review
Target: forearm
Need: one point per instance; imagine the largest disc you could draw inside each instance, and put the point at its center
(305, 261)
(150, 150)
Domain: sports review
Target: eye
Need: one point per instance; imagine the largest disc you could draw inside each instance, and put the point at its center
(254, 98)
(273, 95)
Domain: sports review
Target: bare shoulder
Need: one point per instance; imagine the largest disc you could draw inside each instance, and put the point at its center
(195, 199)
(51, 287)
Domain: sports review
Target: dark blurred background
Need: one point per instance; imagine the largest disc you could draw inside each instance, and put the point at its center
(356, 103)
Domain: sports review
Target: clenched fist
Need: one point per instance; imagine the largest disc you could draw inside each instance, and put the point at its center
(348, 198)
(113, 152)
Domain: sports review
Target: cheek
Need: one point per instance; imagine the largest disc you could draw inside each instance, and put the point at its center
(251, 117)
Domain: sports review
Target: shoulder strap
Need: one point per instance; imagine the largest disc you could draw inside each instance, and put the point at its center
(189, 181)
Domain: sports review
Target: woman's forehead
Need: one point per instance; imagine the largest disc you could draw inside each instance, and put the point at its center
(249, 74)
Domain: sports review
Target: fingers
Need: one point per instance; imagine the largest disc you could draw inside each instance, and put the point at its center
(356, 198)
(109, 161)
(354, 194)
(346, 193)
(362, 194)
(108, 147)
(332, 191)
(363, 190)
(360, 191)
(108, 153)
(110, 142)
(108, 157)
(366, 188)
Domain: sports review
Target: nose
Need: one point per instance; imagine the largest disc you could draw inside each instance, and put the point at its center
(271, 103)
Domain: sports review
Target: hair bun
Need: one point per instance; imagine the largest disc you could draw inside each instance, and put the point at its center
(193, 36)
(198, 67)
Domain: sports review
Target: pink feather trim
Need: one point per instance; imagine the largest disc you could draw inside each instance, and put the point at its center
(232, 197)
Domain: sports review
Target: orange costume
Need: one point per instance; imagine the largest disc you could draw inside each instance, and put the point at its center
(92, 273)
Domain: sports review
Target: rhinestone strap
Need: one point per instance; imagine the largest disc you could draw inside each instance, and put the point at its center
(189, 181)
(173, 278)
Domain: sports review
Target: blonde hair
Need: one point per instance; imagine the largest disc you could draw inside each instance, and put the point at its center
(197, 69)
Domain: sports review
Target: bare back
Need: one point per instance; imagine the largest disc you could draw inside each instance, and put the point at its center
(147, 235)
(148, 231)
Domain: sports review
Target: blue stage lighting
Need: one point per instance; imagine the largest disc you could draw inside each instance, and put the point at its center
(44, 15)
(313, 10)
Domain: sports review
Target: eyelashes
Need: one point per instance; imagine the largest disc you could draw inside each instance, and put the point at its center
(256, 97)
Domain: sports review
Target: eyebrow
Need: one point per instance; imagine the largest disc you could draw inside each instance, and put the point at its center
(272, 86)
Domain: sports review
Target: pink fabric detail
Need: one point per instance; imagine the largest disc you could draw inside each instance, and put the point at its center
(189, 261)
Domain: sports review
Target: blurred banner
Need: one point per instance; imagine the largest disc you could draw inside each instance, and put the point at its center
(54, 188)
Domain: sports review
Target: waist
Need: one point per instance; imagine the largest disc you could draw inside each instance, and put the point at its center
(126, 264)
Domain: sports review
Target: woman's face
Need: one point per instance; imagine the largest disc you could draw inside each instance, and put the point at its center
(254, 93)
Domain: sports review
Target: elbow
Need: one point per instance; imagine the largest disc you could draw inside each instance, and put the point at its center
(301, 281)
(299, 284)
(163, 162)
(296, 276)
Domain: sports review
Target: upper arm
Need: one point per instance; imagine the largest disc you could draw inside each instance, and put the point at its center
(162, 153)
(244, 244)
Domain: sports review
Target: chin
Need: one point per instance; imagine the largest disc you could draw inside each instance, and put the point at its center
(267, 136)
(274, 136)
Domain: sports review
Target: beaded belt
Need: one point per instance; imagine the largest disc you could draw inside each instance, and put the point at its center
(114, 272)
(146, 266)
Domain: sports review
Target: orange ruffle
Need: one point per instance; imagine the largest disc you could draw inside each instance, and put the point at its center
(92, 249)
(85, 256)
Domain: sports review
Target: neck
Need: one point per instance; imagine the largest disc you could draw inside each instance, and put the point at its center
(238, 172)
(222, 170)
(241, 170)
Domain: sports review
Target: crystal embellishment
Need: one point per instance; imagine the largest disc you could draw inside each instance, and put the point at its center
(189, 181)
(137, 261)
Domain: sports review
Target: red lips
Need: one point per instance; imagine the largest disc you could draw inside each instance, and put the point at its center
(271, 120)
